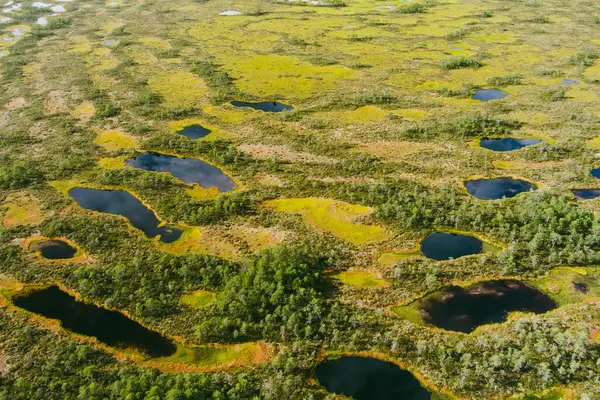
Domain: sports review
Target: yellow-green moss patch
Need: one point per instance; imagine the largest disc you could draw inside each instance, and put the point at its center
(332, 216)
(214, 357)
(20, 209)
(114, 140)
(179, 89)
(197, 299)
(273, 74)
(360, 278)
(84, 111)
(203, 241)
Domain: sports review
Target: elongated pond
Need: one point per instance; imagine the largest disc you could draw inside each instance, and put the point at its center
(267, 106)
(458, 309)
(194, 131)
(120, 202)
(486, 95)
(365, 378)
(109, 327)
(445, 246)
(586, 194)
(498, 188)
(189, 170)
(53, 249)
(507, 144)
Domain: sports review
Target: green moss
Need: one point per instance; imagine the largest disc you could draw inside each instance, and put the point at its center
(198, 299)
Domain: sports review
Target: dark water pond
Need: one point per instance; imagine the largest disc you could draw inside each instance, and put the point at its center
(446, 246)
(194, 131)
(507, 144)
(581, 287)
(586, 194)
(498, 188)
(489, 94)
(365, 378)
(268, 106)
(120, 202)
(567, 82)
(109, 327)
(189, 170)
(596, 173)
(463, 310)
(53, 249)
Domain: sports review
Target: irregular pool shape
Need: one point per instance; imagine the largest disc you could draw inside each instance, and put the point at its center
(567, 82)
(109, 327)
(498, 188)
(194, 131)
(586, 194)
(4, 53)
(446, 246)
(489, 94)
(596, 173)
(58, 9)
(42, 21)
(12, 7)
(120, 202)
(53, 249)
(230, 12)
(39, 4)
(365, 378)
(507, 144)
(189, 170)
(267, 106)
(462, 310)
(581, 287)
(5, 20)
(110, 42)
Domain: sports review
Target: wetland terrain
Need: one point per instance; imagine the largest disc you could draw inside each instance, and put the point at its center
(281, 199)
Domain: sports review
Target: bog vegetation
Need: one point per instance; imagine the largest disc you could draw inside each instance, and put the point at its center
(314, 252)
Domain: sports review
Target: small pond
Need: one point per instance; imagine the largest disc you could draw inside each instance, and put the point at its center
(365, 378)
(498, 188)
(267, 106)
(586, 194)
(53, 249)
(194, 131)
(507, 144)
(489, 94)
(188, 170)
(567, 82)
(120, 202)
(458, 309)
(596, 173)
(109, 327)
(445, 246)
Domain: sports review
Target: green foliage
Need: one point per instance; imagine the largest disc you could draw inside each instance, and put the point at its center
(556, 93)
(465, 90)
(221, 85)
(585, 58)
(276, 296)
(541, 226)
(459, 62)
(505, 80)
(413, 8)
(19, 175)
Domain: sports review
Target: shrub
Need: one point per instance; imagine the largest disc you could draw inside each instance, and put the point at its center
(411, 9)
(554, 94)
(459, 62)
(585, 58)
(505, 80)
